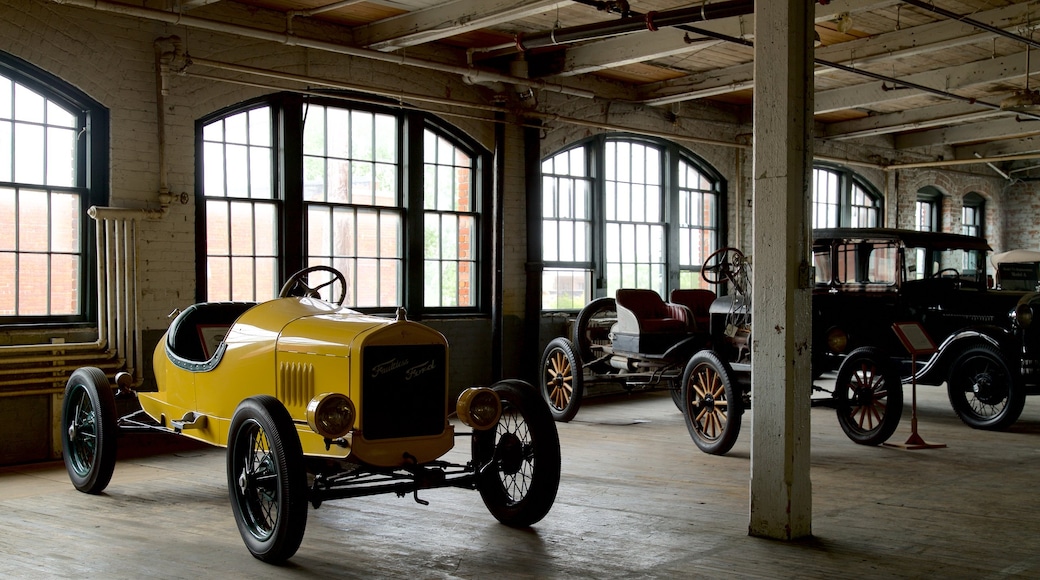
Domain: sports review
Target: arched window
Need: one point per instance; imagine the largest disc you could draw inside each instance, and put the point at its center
(53, 167)
(841, 198)
(622, 212)
(292, 182)
(928, 213)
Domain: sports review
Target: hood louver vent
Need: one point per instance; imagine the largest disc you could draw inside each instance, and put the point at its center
(296, 387)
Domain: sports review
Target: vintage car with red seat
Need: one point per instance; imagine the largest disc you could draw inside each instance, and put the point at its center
(316, 402)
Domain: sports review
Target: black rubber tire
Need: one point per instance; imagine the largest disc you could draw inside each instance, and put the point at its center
(88, 430)
(562, 379)
(676, 391)
(580, 334)
(983, 391)
(518, 462)
(267, 479)
(868, 395)
(713, 409)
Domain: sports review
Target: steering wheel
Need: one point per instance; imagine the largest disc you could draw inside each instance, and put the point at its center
(723, 265)
(298, 280)
(956, 273)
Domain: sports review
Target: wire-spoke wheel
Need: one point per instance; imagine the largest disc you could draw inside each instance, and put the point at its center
(983, 391)
(518, 462)
(267, 480)
(562, 382)
(88, 430)
(868, 397)
(711, 406)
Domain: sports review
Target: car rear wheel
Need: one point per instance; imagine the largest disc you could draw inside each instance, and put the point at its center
(710, 404)
(518, 462)
(88, 430)
(267, 480)
(869, 397)
(592, 327)
(562, 383)
(982, 389)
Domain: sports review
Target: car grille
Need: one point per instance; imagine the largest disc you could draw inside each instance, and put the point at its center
(403, 392)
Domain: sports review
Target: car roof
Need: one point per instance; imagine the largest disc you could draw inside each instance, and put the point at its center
(910, 238)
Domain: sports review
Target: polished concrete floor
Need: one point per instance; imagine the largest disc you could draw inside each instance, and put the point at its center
(637, 500)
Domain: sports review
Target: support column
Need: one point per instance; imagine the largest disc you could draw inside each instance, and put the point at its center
(781, 493)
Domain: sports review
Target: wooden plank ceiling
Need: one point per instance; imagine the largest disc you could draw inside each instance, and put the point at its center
(933, 77)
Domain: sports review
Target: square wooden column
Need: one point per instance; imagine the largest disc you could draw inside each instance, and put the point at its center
(781, 493)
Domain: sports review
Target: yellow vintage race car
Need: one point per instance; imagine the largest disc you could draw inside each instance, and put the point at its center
(315, 402)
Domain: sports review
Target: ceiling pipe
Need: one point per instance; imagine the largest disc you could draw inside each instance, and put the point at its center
(472, 74)
(972, 22)
(651, 21)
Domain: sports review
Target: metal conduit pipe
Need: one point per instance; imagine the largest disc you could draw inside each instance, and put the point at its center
(472, 74)
(650, 21)
(340, 85)
(972, 22)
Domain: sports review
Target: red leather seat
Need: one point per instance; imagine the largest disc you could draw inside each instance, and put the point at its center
(698, 300)
(651, 314)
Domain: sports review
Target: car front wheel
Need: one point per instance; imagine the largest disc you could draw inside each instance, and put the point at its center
(710, 404)
(88, 430)
(982, 389)
(518, 462)
(869, 397)
(267, 480)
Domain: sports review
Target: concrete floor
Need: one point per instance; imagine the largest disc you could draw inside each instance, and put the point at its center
(637, 500)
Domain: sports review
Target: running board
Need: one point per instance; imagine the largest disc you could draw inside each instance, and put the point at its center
(191, 420)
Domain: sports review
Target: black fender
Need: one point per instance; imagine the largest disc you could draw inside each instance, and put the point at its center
(683, 350)
(937, 369)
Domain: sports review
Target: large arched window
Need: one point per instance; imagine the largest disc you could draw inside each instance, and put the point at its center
(623, 212)
(841, 198)
(292, 182)
(53, 167)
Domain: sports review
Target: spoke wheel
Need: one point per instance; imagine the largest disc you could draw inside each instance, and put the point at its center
(711, 406)
(518, 462)
(88, 427)
(869, 397)
(267, 480)
(562, 383)
(983, 391)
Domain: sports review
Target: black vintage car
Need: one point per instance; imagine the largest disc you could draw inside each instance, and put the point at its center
(869, 279)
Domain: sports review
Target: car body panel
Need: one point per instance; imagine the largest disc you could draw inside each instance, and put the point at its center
(297, 348)
(923, 282)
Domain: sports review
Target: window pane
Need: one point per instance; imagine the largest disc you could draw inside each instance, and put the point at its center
(213, 168)
(6, 135)
(64, 285)
(217, 228)
(8, 221)
(565, 289)
(8, 292)
(33, 220)
(29, 105)
(28, 153)
(61, 156)
(33, 284)
(65, 223)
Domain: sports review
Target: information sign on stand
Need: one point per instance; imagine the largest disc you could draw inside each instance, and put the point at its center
(916, 341)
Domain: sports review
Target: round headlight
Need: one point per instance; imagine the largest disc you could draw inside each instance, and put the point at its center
(1023, 315)
(479, 408)
(331, 415)
(837, 340)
